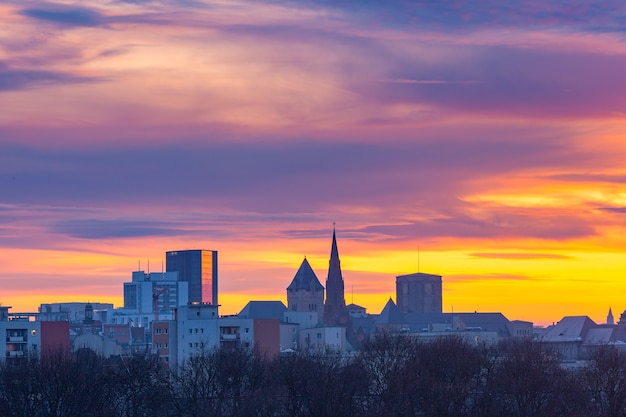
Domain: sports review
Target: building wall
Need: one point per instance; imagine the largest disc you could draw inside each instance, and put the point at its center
(304, 301)
(161, 344)
(55, 337)
(289, 336)
(304, 319)
(419, 293)
(118, 332)
(267, 337)
(19, 338)
(197, 330)
(139, 293)
(322, 339)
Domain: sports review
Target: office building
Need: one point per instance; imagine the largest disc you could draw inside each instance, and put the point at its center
(199, 269)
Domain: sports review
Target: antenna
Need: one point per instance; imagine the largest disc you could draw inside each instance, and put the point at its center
(418, 258)
(148, 265)
(352, 294)
(139, 264)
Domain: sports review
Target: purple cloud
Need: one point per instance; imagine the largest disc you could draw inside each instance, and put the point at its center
(18, 79)
(65, 16)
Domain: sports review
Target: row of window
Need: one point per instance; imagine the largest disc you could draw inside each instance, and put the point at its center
(196, 330)
(161, 331)
(159, 345)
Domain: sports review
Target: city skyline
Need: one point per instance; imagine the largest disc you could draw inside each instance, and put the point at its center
(483, 143)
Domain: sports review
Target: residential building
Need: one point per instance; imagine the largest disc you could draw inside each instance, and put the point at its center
(23, 334)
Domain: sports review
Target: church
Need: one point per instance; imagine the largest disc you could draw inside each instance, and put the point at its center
(305, 294)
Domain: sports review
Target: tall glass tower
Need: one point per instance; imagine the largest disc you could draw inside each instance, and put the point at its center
(198, 267)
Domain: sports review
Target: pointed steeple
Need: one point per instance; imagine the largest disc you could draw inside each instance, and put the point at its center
(334, 252)
(609, 318)
(335, 298)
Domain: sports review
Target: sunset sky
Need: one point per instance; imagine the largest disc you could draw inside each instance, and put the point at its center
(482, 142)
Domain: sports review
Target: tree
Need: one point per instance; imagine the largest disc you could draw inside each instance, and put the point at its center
(606, 382)
(527, 380)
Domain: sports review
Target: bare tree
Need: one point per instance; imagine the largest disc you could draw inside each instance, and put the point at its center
(385, 359)
(528, 381)
(606, 382)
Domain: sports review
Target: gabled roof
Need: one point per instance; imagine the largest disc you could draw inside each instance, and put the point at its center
(391, 314)
(263, 310)
(305, 279)
(569, 329)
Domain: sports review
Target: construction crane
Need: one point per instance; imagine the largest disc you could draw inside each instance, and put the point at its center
(155, 300)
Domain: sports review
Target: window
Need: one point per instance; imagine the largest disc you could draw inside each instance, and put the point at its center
(190, 331)
(319, 336)
(202, 330)
(190, 344)
(247, 330)
(158, 331)
(165, 345)
(165, 330)
(196, 330)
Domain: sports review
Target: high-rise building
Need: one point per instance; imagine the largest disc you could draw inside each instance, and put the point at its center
(197, 267)
(419, 293)
(335, 300)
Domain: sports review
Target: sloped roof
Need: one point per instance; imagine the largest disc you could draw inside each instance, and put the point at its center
(263, 310)
(391, 314)
(569, 329)
(305, 279)
(598, 336)
(494, 322)
(353, 306)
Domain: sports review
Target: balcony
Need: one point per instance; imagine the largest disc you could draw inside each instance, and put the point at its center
(16, 339)
(229, 337)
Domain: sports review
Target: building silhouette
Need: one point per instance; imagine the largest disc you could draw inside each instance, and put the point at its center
(305, 294)
(199, 268)
(419, 293)
(335, 297)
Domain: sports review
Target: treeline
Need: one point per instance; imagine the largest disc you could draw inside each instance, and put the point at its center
(391, 376)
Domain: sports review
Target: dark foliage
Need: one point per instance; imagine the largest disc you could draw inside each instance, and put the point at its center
(390, 376)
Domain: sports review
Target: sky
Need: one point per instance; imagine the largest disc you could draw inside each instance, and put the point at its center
(481, 142)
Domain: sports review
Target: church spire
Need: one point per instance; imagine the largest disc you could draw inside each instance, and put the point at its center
(335, 297)
(609, 318)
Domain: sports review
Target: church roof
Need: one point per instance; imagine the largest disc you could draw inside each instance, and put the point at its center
(263, 310)
(391, 314)
(305, 279)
